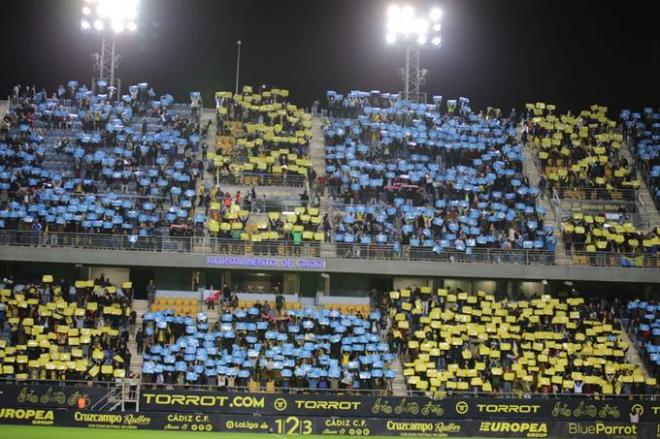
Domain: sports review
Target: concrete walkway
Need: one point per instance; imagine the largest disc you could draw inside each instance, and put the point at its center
(533, 173)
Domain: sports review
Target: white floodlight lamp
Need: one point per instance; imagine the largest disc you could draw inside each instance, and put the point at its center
(413, 31)
(436, 14)
(405, 26)
(114, 15)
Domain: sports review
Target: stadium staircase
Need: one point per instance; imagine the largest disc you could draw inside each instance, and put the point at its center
(279, 198)
(632, 355)
(122, 396)
(140, 307)
(399, 387)
(317, 155)
(648, 214)
(316, 146)
(208, 114)
(533, 172)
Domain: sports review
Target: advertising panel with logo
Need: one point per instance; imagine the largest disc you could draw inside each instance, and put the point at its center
(26, 395)
(551, 409)
(350, 426)
(32, 416)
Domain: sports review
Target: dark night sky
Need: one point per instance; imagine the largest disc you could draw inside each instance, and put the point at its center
(497, 52)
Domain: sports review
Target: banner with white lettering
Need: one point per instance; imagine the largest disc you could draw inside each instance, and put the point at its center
(556, 409)
(322, 425)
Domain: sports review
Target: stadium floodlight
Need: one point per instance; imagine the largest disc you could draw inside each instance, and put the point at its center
(435, 14)
(413, 31)
(109, 18)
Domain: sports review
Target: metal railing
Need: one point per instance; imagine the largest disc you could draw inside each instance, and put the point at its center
(597, 194)
(109, 386)
(495, 256)
(207, 245)
(172, 244)
(106, 384)
(478, 255)
(245, 178)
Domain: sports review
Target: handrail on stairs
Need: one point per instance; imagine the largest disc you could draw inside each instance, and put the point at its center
(105, 401)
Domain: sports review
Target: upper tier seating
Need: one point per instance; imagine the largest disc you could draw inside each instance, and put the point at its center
(580, 154)
(123, 167)
(644, 131)
(598, 236)
(412, 178)
(263, 139)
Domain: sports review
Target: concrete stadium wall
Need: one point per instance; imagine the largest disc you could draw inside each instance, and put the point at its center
(338, 265)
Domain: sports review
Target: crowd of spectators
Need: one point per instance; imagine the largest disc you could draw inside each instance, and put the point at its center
(458, 341)
(422, 176)
(644, 326)
(580, 154)
(263, 140)
(643, 130)
(597, 235)
(62, 330)
(85, 163)
(264, 348)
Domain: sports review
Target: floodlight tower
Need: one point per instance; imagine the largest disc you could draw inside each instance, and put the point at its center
(412, 32)
(109, 18)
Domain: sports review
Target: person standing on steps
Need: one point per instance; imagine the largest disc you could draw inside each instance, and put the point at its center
(151, 292)
(139, 340)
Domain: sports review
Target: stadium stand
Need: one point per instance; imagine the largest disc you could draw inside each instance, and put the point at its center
(57, 330)
(410, 179)
(296, 232)
(607, 236)
(644, 321)
(76, 163)
(459, 341)
(263, 139)
(257, 348)
(643, 130)
(580, 154)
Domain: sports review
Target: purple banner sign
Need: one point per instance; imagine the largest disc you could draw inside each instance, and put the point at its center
(265, 262)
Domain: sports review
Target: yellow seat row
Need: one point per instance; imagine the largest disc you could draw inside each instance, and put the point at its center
(250, 303)
(180, 305)
(345, 308)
